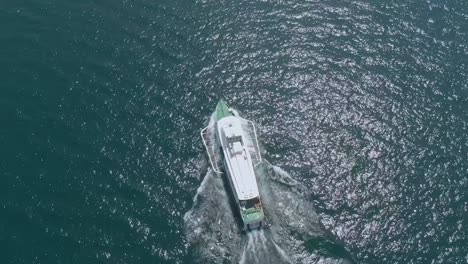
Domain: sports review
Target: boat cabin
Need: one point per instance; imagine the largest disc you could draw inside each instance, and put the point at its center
(238, 162)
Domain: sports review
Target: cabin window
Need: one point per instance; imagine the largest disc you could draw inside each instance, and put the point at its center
(251, 203)
(233, 139)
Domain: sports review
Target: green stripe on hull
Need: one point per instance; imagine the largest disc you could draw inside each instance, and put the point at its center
(222, 110)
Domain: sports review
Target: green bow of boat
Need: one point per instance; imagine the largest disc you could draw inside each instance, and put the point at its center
(222, 110)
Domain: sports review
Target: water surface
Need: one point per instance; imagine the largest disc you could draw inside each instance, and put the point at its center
(363, 104)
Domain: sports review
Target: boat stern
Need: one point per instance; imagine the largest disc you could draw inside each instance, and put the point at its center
(253, 218)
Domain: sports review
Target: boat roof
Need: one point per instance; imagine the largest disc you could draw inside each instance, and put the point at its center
(237, 157)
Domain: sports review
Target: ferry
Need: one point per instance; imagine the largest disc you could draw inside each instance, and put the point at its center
(235, 153)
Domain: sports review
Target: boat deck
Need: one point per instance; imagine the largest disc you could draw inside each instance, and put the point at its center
(237, 158)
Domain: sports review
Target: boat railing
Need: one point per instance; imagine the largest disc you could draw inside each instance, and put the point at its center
(253, 146)
(211, 149)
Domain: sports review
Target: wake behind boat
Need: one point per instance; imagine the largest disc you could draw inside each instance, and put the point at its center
(235, 151)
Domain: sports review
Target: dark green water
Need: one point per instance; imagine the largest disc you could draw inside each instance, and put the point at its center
(364, 104)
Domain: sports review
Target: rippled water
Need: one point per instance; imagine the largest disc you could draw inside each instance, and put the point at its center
(363, 104)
